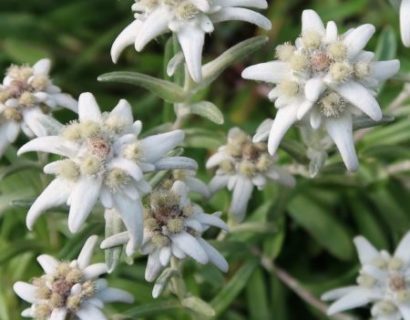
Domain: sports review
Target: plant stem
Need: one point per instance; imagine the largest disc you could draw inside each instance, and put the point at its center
(177, 282)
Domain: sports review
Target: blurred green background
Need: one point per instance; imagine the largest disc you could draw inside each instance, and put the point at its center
(310, 228)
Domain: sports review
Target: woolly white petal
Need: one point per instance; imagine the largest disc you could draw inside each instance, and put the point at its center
(28, 313)
(337, 293)
(191, 39)
(198, 186)
(360, 97)
(189, 244)
(341, 132)
(131, 213)
(274, 72)
(95, 270)
(314, 88)
(259, 4)
(312, 22)
(86, 253)
(165, 255)
(241, 194)
(354, 299)
(56, 194)
(262, 133)
(403, 249)
(285, 118)
(356, 40)
(211, 220)
(365, 250)
(242, 14)
(124, 39)
(12, 130)
(130, 167)
(171, 163)
(88, 311)
(48, 263)
(405, 311)
(123, 111)
(331, 32)
(115, 295)
(155, 147)
(405, 22)
(58, 314)
(25, 291)
(315, 119)
(50, 144)
(66, 101)
(155, 24)
(88, 109)
(83, 199)
(202, 5)
(382, 70)
(218, 182)
(304, 108)
(214, 256)
(216, 159)
(153, 266)
(42, 67)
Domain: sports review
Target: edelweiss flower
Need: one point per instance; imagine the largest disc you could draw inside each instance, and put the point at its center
(405, 22)
(70, 289)
(27, 97)
(189, 20)
(104, 160)
(241, 165)
(324, 79)
(383, 282)
(173, 227)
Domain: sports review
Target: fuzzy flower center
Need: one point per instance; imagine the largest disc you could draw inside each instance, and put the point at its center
(183, 10)
(18, 94)
(332, 105)
(65, 288)
(165, 216)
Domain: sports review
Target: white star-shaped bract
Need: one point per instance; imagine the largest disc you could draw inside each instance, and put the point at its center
(173, 227)
(27, 97)
(405, 22)
(70, 289)
(242, 165)
(384, 282)
(105, 160)
(190, 20)
(324, 80)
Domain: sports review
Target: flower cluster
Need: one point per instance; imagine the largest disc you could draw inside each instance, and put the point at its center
(27, 97)
(241, 165)
(190, 20)
(173, 227)
(70, 289)
(383, 282)
(104, 159)
(324, 80)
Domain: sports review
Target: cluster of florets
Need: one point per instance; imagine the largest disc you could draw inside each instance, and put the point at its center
(182, 9)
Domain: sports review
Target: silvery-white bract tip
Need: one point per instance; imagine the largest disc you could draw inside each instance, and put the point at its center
(382, 282)
(70, 289)
(27, 98)
(241, 165)
(103, 159)
(193, 183)
(190, 20)
(405, 22)
(323, 80)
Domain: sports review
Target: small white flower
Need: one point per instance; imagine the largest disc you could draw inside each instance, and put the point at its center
(241, 166)
(383, 282)
(70, 289)
(189, 20)
(405, 22)
(103, 160)
(324, 79)
(173, 227)
(27, 97)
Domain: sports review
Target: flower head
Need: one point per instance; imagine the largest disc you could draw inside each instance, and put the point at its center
(105, 160)
(383, 282)
(405, 22)
(241, 165)
(324, 79)
(173, 227)
(189, 20)
(70, 289)
(27, 97)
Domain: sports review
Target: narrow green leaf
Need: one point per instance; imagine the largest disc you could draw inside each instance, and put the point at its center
(234, 287)
(214, 68)
(362, 122)
(158, 307)
(320, 223)
(256, 293)
(113, 225)
(208, 110)
(198, 306)
(18, 247)
(166, 90)
(387, 44)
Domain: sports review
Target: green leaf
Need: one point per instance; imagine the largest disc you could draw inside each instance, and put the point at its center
(113, 225)
(24, 52)
(203, 138)
(234, 287)
(158, 307)
(256, 293)
(208, 110)
(320, 224)
(164, 89)
(213, 69)
(362, 122)
(17, 248)
(198, 306)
